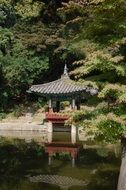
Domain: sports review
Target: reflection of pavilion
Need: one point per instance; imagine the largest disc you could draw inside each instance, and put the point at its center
(61, 146)
(67, 145)
(57, 147)
(62, 181)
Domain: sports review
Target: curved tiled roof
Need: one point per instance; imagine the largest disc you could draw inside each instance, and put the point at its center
(62, 86)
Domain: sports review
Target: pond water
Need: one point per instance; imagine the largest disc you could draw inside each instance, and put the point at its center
(52, 162)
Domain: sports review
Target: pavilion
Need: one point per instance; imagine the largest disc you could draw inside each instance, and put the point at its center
(61, 90)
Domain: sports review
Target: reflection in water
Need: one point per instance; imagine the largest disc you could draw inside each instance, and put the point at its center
(61, 181)
(60, 146)
(53, 148)
(39, 136)
(96, 165)
(45, 136)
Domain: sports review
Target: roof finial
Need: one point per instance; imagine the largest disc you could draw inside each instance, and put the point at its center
(65, 73)
(65, 70)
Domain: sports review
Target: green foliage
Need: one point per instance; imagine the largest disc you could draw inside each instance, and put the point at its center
(6, 39)
(38, 37)
(102, 41)
(111, 129)
(2, 115)
(15, 152)
(63, 156)
(28, 9)
(41, 103)
(102, 152)
(19, 69)
(7, 15)
(17, 111)
(20, 72)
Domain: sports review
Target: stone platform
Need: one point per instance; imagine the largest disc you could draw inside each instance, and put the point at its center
(22, 127)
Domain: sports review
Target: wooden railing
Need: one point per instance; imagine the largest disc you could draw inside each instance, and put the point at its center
(56, 117)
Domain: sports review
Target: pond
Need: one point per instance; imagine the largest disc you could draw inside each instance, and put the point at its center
(29, 162)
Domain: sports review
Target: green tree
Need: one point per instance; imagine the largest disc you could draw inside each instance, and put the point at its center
(20, 69)
(102, 42)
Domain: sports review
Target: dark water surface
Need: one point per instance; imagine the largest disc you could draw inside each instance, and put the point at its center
(96, 166)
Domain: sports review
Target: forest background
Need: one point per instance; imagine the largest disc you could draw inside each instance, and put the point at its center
(37, 37)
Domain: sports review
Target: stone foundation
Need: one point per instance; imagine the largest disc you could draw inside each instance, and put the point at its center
(22, 127)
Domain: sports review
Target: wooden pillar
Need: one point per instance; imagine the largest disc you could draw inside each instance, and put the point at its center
(78, 104)
(74, 156)
(50, 159)
(73, 104)
(50, 105)
(73, 162)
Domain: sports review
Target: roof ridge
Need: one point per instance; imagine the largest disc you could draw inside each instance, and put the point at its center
(60, 79)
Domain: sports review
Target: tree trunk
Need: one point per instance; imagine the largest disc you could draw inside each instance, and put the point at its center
(122, 176)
